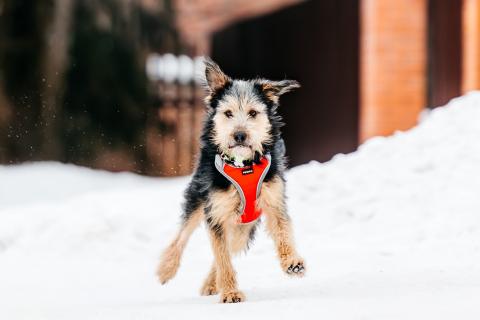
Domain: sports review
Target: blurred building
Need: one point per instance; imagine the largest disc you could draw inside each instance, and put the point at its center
(367, 67)
(72, 82)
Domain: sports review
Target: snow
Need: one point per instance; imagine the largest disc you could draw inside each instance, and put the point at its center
(388, 232)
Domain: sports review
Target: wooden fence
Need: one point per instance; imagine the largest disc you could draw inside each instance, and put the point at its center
(174, 126)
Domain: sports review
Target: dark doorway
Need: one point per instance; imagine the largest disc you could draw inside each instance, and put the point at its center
(315, 43)
(444, 51)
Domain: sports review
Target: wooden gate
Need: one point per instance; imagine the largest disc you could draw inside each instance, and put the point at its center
(174, 124)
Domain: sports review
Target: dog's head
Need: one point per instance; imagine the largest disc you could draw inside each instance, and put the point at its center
(243, 114)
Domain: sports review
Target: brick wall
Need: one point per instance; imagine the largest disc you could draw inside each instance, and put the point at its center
(392, 65)
(471, 45)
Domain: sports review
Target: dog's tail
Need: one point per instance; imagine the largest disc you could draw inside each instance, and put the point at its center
(170, 260)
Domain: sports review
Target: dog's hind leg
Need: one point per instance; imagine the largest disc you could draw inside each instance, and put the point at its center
(170, 260)
(272, 201)
(239, 238)
(209, 287)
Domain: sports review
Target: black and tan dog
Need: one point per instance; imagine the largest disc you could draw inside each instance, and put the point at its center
(242, 124)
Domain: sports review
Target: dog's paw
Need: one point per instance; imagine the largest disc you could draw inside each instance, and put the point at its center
(169, 263)
(164, 275)
(166, 271)
(232, 297)
(208, 290)
(294, 266)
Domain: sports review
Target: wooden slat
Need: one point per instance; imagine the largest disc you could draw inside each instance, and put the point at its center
(168, 115)
(184, 130)
(153, 148)
(198, 115)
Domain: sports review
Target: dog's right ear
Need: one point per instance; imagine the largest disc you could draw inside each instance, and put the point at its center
(274, 89)
(215, 77)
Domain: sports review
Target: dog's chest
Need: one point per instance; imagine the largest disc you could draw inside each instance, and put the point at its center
(228, 203)
(247, 181)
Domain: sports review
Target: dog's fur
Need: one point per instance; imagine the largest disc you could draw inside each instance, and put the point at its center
(236, 106)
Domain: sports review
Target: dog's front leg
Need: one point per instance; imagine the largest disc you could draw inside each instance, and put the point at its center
(220, 215)
(226, 277)
(278, 224)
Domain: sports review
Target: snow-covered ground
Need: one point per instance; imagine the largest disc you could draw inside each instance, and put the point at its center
(391, 231)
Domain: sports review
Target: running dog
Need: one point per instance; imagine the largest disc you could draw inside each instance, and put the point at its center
(239, 175)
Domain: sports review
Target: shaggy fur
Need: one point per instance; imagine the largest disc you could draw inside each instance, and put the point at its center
(234, 107)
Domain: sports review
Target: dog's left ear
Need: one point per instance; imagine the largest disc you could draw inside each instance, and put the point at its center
(274, 89)
(214, 76)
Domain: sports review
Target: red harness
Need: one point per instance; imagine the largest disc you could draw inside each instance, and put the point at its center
(248, 182)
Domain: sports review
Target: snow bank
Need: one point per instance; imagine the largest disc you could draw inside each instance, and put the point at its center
(57, 208)
(391, 230)
(419, 185)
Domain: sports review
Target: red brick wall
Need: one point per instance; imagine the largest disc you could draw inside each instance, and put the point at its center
(471, 45)
(392, 65)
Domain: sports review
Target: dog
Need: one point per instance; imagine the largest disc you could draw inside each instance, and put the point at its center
(242, 126)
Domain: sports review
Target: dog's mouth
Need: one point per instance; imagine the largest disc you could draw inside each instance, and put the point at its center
(240, 151)
(239, 145)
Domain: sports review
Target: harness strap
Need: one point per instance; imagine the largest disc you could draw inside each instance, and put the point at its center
(248, 183)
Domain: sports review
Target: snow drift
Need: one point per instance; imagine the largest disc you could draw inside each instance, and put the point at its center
(390, 231)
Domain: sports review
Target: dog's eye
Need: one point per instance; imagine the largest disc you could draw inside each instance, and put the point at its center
(252, 113)
(228, 114)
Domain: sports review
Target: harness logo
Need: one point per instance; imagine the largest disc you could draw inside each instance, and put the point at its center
(247, 171)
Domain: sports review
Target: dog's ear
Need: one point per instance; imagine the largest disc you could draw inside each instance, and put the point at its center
(274, 89)
(214, 76)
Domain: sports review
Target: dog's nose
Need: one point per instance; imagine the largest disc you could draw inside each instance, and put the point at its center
(240, 137)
